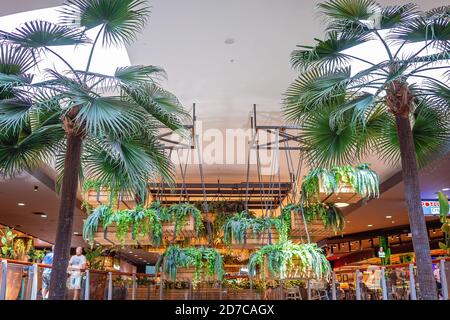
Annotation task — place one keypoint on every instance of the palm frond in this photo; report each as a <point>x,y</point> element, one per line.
<point>328,53</point>
<point>422,29</point>
<point>431,132</point>
<point>159,104</point>
<point>314,88</point>
<point>126,164</point>
<point>15,60</point>
<point>121,19</point>
<point>38,34</point>
<point>327,145</point>
<point>392,16</point>
<point>21,150</point>
<point>437,94</point>
<point>14,112</point>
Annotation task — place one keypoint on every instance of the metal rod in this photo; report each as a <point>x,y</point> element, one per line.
<point>412,282</point>
<point>309,289</point>
<point>358,286</point>
<point>4,279</point>
<point>383,284</point>
<point>87,286</point>
<point>443,279</point>
<point>110,285</point>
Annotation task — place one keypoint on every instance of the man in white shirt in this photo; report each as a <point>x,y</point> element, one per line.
<point>76,264</point>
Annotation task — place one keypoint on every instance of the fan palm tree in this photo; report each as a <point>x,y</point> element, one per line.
<point>88,125</point>
<point>390,106</point>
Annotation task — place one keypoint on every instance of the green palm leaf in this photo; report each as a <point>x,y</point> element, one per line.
<point>15,60</point>
<point>423,29</point>
<point>38,34</point>
<point>121,20</point>
<point>392,16</point>
<point>21,150</point>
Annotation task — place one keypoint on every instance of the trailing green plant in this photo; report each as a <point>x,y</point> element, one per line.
<point>363,179</point>
<point>203,260</point>
<point>445,220</point>
<point>178,214</point>
<point>331,216</point>
<point>143,222</point>
<point>281,258</point>
<point>7,237</point>
<point>236,227</point>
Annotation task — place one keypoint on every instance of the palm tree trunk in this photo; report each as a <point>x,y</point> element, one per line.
<point>65,221</point>
<point>417,223</point>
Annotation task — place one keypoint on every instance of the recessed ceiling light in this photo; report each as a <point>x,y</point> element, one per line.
<point>388,217</point>
<point>446,189</point>
<point>36,188</point>
<point>370,225</point>
<point>21,204</point>
<point>76,233</point>
<point>393,221</point>
<point>130,251</point>
<point>135,255</point>
<point>43,215</point>
<point>229,41</point>
<point>341,204</point>
<point>348,221</point>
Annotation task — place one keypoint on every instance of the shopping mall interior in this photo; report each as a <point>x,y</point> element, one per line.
<point>224,150</point>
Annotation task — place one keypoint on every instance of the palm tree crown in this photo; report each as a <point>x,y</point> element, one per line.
<point>117,115</point>
<point>347,113</point>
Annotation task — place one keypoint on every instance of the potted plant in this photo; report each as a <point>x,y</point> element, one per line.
<point>191,263</point>
<point>97,280</point>
<point>286,259</point>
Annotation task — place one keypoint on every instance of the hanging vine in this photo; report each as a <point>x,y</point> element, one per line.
<point>203,260</point>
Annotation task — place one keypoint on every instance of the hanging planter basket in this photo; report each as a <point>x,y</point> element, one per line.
<point>96,198</point>
<point>344,192</point>
<point>315,228</point>
<point>188,230</point>
<point>254,240</point>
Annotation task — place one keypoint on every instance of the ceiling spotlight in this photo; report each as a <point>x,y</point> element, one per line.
<point>388,217</point>
<point>135,255</point>
<point>393,221</point>
<point>434,231</point>
<point>341,204</point>
<point>370,225</point>
<point>36,188</point>
<point>229,41</point>
<point>44,215</point>
<point>21,204</point>
<point>130,251</point>
<point>348,221</point>
<point>446,189</point>
<point>76,233</point>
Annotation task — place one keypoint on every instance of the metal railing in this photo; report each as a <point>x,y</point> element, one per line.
<point>23,281</point>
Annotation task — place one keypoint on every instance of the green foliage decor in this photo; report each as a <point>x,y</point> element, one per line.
<point>7,237</point>
<point>331,216</point>
<point>363,179</point>
<point>281,258</point>
<point>202,259</point>
<point>142,221</point>
<point>236,227</point>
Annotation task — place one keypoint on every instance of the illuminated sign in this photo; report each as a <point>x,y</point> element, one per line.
<point>431,207</point>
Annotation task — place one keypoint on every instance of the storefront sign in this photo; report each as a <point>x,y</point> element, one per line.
<point>431,207</point>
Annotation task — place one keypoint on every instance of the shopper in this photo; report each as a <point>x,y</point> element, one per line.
<point>46,274</point>
<point>76,264</point>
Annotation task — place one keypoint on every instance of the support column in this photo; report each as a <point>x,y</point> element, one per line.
<point>3,278</point>
<point>34,282</point>
<point>443,279</point>
<point>358,286</point>
<point>412,282</point>
<point>383,284</point>
<point>133,288</point>
<point>87,289</point>
<point>333,286</point>
<point>110,286</point>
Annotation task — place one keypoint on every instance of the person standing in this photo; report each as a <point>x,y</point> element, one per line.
<point>437,277</point>
<point>46,274</point>
<point>76,263</point>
